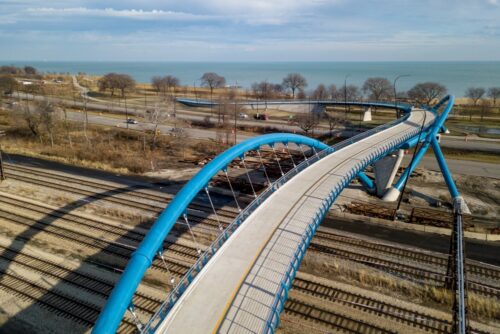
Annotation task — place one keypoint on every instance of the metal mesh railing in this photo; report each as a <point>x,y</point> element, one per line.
<point>245,213</point>
<point>281,295</point>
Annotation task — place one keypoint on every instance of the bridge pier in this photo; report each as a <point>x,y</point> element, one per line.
<point>385,171</point>
<point>367,116</point>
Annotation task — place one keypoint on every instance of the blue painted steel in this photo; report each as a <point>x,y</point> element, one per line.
<point>366,181</point>
<point>206,103</point>
<point>142,258</point>
<point>430,136</point>
<point>444,168</point>
<point>217,244</point>
<point>272,321</point>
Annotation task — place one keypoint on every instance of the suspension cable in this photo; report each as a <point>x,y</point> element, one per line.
<point>248,175</point>
<point>137,322</point>
<point>264,167</point>
<point>303,153</point>
<point>198,249</point>
<point>172,277</point>
<point>315,152</point>
<point>290,154</point>
<point>277,160</point>
<point>232,190</point>
<point>213,208</point>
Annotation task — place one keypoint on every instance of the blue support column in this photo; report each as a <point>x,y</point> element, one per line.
<point>366,181</point>
<point>420,154</point>
<point>444,168</point>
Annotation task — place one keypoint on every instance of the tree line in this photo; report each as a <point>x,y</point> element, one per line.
<point>293,85</point>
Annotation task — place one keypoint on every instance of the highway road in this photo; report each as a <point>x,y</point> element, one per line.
<point>474,168</point>
<point>473,144</point>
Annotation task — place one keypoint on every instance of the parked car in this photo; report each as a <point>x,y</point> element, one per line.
<point>131,121</point>
<point>261,117</point>
<point>242,115</point>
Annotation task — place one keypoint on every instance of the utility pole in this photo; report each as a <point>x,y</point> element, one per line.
<point>235,120</point>
<point>345,94</point>
<point>395,92</point>
<point>2,173</point>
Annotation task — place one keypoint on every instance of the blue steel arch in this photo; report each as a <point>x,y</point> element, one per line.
<point>142,258</point>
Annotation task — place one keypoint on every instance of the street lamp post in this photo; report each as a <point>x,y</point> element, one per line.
<point>345,94</point>
<point>395,92</point>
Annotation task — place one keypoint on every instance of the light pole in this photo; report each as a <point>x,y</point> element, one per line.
<point>395,93</point>
<point>345,94</point>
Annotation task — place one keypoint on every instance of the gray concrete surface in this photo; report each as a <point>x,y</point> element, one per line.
<point>239,283</point>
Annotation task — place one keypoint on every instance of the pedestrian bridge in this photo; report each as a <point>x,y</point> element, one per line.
<point>241,283</point>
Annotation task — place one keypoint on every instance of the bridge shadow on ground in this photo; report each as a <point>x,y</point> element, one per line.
<point>103,258</point>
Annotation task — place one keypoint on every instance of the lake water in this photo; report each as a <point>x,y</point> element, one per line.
<point>456,76</point>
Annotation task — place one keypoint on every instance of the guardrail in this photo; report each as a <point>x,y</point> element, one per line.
<point>272,320</point>
<point>184,283</point>
<point>207,103</point>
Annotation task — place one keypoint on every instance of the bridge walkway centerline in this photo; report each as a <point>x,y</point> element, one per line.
<point>235,290</point>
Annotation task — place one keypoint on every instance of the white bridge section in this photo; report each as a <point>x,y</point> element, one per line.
<point>235,290</point>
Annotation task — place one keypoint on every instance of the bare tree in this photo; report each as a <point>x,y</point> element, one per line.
<point>125,83</point>
<point>320,93</point>
<point>494,94</point>
<point>294,81</point>
<point>263,90</point>
<point>156,116</point>
<point>378,88</point>
<point>333,92</point>
<point>485,104</point>
<point>66,124</point>
<point>475,94</point>
<point>426,92</point>
<point>49,117</point>
<point>32,119</point>
<point>212,80</point>
<point>116,81</point>
<point>7,84</point>
<point>172,82</point>
<point>333,121</point>
<point>350,93</point>
<point>158,84</point>
<point>30,70</point>
<point>307,121</point>
<point>301,95</point>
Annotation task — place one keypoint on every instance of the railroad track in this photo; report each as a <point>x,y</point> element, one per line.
<point>113,231</point>
<point>77,278</point>
<point>424,257</point>
<point>379,308</point>
<point>115,249</point>
<point>326,317</point>
<point>414,273</point>
<point>57,302</point>
<point>197,212</point>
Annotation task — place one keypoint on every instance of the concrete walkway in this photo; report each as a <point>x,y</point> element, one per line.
<point>235,291</point>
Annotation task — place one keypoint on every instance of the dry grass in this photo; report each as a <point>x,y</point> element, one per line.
<point>480,307</point>
<point>117,150</point>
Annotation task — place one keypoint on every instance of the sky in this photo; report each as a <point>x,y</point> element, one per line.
<point>250,30</point>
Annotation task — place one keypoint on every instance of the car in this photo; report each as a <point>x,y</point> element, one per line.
<point>131,121</point>
<point>261,117</point>
<point>242,115</point>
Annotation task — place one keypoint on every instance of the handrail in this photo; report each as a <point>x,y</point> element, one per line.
<point>281,295</point>
<point>142,258</point>
<point>202,102</point>
<point>224,236</point>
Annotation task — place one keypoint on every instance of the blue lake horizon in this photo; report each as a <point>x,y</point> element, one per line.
<point>457,76</point>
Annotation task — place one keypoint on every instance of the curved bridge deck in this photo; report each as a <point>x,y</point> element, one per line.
<point>235,292</point>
